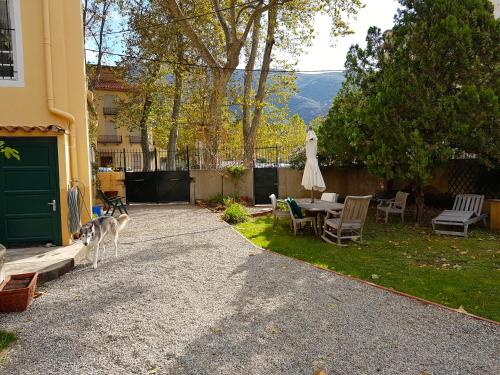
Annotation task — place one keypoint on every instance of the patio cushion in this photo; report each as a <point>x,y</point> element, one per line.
<point>297,212</point>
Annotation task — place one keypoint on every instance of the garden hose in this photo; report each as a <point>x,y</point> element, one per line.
<point>74,210</point>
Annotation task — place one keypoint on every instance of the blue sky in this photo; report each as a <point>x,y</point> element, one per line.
<point>324,53</point>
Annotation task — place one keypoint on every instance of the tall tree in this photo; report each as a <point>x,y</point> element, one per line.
<point>420,93</point>
<point>296,20</point>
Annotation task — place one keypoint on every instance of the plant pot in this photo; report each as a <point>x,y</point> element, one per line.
<point>17,291</point>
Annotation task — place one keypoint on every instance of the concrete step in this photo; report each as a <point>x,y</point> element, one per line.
<point>50,263</point>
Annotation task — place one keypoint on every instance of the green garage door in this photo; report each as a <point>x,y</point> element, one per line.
<point>29,193</point>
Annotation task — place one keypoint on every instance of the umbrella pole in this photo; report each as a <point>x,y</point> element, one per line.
<point>312,195</point>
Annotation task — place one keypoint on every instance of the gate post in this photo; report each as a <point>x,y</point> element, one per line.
<point>187,157</point>
<point>156,159</point>
<point>277,156</point>
<point>124,161</point>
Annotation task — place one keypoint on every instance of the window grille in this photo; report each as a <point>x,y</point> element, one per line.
<point>7,70</point>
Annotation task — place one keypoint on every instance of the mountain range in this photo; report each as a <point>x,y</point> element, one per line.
<point>315,94</point>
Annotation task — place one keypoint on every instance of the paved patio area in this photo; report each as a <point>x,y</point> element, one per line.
<point>188,295</point>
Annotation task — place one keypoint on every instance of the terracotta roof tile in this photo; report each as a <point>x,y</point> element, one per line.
<point>29,129</point>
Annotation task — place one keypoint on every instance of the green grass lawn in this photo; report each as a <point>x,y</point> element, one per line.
<point>452,271</point>
<point>6,338</point>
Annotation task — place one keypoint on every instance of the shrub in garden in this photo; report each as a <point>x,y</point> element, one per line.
<point>235,214</point>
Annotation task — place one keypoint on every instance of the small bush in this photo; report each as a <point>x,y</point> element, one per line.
<point>217,199</point>
<point>235,214</point>
<point>236,171</point>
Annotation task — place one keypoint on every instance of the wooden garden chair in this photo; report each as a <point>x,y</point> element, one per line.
<point>112,203</point>
<point>396,205</point>
<point>466,211</point>
<point>298,218</point>
<point>276,212</point>
<point>349,224</point>
<point>329,197</point>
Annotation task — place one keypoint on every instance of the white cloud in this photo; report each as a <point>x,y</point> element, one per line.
<point>321,55</point>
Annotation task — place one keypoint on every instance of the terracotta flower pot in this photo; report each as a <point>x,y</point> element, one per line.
<point>17,291</point>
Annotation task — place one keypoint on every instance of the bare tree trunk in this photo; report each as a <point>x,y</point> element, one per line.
<point>249,143</point>
<point>250,133</point>
<point>84,16</point>
<point>143,126</point>
<point>266,63</point>
<point>105,7</point>
<point>213,127</point>
<point>419,203</point>
<point>174,131</point>
<point>176,108</point>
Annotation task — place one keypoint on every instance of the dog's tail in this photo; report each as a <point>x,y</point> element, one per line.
<point>122,221</point>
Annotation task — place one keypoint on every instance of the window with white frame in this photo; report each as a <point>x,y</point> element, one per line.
<point>11,67</point>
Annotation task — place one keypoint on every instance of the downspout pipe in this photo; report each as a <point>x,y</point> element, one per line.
<point>50,92</point>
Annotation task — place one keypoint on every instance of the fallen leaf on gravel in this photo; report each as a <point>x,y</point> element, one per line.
<point>274,330</point>
<point>153,370</point>
<point>375,276</point>
<point>216,331</point>
<point>320,372</point>
<point>333,306</point>
<point>39,294</point>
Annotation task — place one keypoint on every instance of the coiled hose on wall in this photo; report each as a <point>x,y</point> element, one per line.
<point>74,209</point>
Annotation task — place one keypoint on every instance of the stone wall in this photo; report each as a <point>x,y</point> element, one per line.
<point>340,181</point>
<point>207,183</point>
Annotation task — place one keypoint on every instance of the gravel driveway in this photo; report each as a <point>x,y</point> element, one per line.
<point>188,295</point>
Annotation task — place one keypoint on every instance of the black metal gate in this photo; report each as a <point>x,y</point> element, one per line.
<point>158,186</point>
<point>265,183</point>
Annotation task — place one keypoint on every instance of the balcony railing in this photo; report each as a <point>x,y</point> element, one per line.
<point>109,139</point>
<point>110,110</point>
<point>135,138</point>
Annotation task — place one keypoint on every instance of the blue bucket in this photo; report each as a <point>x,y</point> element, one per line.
<point>97,210</point>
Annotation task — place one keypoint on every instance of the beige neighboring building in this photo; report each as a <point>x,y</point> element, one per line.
<point>43,115</point>
<point>117,147</point>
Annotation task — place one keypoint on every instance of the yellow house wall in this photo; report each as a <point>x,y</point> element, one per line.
<point>28,105</point>
<point>101,118</point>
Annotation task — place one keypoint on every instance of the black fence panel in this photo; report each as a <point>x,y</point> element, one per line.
<point>138,161</point>
<point>265,182</point>
<point>141,187</point>
<point>470,176</point>
<point>159,159</point>
<point>157,187</point>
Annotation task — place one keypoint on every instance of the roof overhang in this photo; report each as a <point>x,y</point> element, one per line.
<point>54,129</point>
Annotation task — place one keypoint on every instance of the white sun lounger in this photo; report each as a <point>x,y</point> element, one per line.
<point>466,210</point>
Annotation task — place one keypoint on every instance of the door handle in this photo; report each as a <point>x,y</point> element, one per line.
<point>53,204</point>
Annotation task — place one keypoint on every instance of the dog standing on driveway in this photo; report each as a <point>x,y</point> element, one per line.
<point>94,232</point>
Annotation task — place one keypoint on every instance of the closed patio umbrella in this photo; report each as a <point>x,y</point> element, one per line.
<point>312,178</point>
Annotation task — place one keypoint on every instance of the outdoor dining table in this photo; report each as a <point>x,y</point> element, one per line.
<point>318,207</point>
